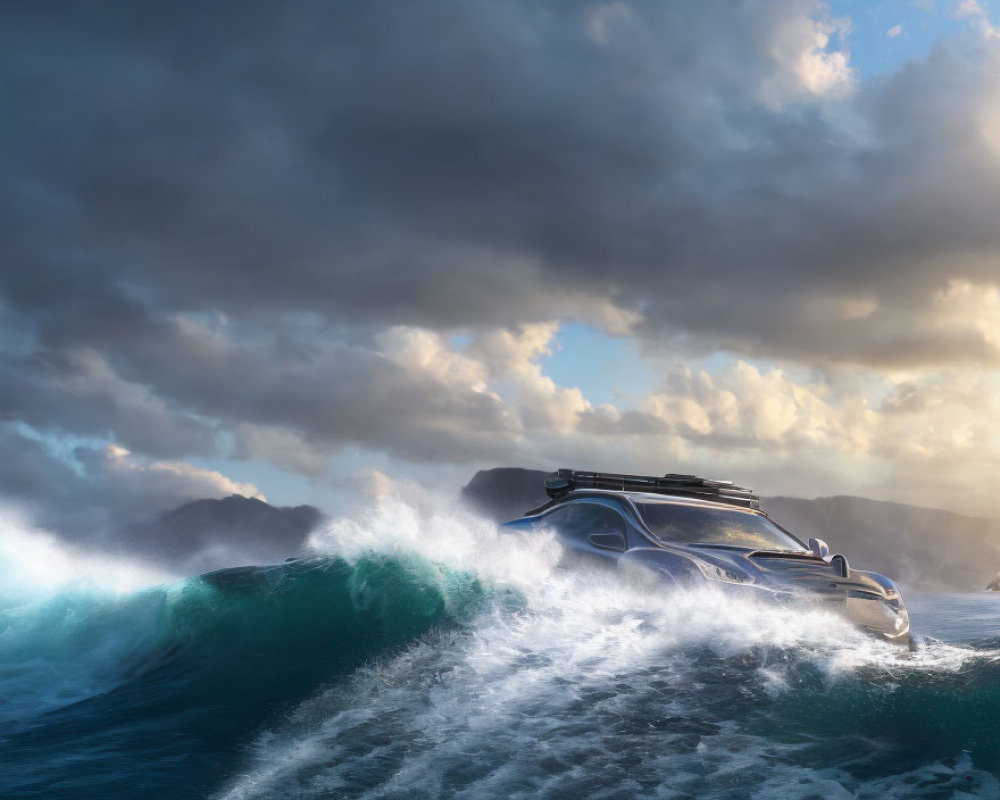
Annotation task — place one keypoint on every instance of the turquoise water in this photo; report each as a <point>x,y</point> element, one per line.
<point>152,694</point>
<point>416,674</point>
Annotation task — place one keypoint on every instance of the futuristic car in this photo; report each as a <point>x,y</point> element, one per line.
<point>687,529</point>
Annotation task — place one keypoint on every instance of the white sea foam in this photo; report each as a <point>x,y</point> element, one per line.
<point>35,564</point>
<point>68,618</point>
<point>409,519</point>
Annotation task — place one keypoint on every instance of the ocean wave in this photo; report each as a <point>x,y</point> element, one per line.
<point>152,689</point>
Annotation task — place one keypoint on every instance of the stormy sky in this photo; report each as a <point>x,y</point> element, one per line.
<point>266,248</point>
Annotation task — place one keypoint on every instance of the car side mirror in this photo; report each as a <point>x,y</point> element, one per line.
<point>820,549</point>
<point>840,566</point>
<point>610,540</point>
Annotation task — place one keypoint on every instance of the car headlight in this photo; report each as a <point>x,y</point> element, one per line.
<point>871,610</point>
<point>714,573</point>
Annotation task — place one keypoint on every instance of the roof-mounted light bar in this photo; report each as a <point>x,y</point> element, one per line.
<point>564,481</point>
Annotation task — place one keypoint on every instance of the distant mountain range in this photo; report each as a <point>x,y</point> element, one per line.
<point>921,548</point>
<point>209,534</point>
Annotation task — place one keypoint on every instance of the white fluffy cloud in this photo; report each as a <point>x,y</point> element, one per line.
<point>745,407</point>
<point>512,357</point>
<point>152,483</point>
<point>807,64</point>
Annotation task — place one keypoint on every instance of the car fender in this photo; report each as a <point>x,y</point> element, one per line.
<point>886,583</point>
<point>645,564</point>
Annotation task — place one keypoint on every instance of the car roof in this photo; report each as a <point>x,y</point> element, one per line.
<point>643,497</point>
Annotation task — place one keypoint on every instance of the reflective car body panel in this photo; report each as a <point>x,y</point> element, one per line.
<point>684,541</point>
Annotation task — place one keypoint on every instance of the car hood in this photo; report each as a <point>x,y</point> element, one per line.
<point>794,572</point>
<point>866,599</point>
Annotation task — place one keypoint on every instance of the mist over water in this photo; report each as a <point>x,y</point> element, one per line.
<point>422,653</point>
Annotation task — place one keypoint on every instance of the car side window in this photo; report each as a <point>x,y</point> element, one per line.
<point>562,519</point>
<point>590,524</point>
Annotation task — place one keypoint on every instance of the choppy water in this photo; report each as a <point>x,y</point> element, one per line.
<point>426,655</point>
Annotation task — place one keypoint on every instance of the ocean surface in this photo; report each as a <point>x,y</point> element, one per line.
<point>423,654</point>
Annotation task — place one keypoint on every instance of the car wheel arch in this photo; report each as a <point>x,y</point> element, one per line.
<point>665,565</point>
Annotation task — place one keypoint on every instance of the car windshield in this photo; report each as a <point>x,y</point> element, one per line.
<point>694,525</point>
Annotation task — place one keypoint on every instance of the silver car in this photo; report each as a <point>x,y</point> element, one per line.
<point>688,529</point>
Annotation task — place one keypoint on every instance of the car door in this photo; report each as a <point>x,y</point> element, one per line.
<point>590,531</point>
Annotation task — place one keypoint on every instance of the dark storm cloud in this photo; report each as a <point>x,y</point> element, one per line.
<point>327,394</point>
<point>326,391</point>
<point>447,163</point>
<point>78,392</point>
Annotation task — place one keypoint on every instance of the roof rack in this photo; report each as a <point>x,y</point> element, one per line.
<point>564,481</point>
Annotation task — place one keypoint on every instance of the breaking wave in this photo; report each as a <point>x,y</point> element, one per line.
<point>422,653</point>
